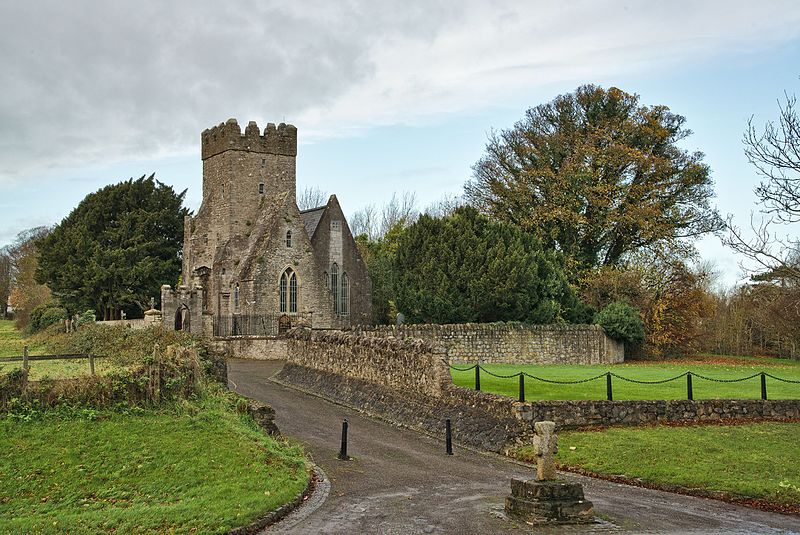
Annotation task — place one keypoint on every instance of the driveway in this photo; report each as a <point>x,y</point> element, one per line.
<point>402,482</point>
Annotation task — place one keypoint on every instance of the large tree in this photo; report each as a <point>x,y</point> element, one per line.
<point>467,268</point>
<point>116,248</point>
<point>26,293</point>
<point>596,175</point>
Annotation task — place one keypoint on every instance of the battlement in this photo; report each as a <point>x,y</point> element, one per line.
<point>281,139</point>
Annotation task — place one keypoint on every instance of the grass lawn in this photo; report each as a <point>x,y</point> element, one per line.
<point>196,467</point>
<point>754,460</point>
<point>11,343</point>
<point>710,366</point>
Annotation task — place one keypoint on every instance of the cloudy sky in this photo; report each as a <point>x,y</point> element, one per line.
<point>387,96</point>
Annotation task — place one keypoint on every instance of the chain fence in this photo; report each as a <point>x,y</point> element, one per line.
<point>688,375</point>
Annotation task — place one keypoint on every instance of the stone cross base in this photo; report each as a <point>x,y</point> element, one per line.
<point>548,502</point>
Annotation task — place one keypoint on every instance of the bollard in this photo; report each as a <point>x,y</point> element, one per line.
<point>343,450</point>
<point>763,386</point>
<point>609,392</point>
<point>448,437</point>
<point>689,393</point>
<point>522,387</point>
<point>477,377</point>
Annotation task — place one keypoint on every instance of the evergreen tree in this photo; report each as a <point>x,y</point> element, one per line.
<point>115,249</point>
<point>466,268</point>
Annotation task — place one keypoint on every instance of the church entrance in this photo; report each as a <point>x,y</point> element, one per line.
<point>182,318</point>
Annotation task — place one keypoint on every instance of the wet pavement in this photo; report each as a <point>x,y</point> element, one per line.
<point>400,481</point>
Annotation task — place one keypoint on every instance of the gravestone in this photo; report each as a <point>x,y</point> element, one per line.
<point>545,499</point>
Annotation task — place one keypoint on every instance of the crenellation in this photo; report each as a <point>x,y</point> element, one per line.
<point>280,140</point>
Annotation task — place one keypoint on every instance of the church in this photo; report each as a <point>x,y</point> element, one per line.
<point>253,263</point>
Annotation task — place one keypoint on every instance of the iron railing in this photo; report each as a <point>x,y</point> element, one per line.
<point>256,324</point>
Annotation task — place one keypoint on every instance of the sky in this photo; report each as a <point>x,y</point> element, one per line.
<point>387,96</point>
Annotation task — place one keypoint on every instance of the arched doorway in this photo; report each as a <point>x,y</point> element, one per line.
<point>182,318</point>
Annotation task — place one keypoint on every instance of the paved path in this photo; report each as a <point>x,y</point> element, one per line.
<point>401,481</point>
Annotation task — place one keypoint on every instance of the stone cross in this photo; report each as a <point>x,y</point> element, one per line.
<point>545,446</point>
<point>152,303</point>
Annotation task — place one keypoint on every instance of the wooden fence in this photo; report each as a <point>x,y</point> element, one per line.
<point>26,359</point>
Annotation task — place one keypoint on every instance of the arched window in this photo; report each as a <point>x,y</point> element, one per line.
<point>288,238</point>
<point>344,304</point>
<point>288,291</point>
<point>236,298</point>
<point>293,292</point>
<point>335,286</point>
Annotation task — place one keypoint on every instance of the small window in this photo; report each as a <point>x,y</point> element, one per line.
<point>261,188</point>
<point>236,298</point>
<point>336,225</point>
<point>288,238</point>
<point>263,162</point>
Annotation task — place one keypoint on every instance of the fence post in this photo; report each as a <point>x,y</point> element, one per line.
<point>91,364</point>
<point>689,393</point>
<point>448,437</point>
<point>477,377</point>
<point>609,392</point>
<point>343,450</point>
<point>25,361</point>
<point>521,386</point>
<point>763,386</point>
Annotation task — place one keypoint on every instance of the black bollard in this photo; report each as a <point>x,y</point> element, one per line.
<point>522,387</point>
<point>477,377</point>
<point>448,437</point>
<point>689,392</point>
<point>609,392</point>
<point>343,451</point>
<point>763,385</point>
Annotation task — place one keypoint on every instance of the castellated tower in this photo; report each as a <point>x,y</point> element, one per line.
<point>249,252</point>
<point>243,173</point>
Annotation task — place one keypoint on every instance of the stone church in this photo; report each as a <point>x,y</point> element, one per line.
<point>253,263</point>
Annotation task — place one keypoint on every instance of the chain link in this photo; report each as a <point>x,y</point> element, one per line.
<point>725,380</point>
<point>640,382</point>
<point>781,379</point>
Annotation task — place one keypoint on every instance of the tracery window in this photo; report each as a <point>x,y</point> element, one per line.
<point>288,291</point>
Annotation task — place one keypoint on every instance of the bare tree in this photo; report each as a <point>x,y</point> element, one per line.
<point>365,221</point>
<point>445,206</point>
<point>775,153</point>
<point>400,209</point>
<point>311,198</point>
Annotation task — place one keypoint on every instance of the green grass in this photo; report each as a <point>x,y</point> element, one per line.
<point>12,341</point>
<point>198,467</point>
<point>754,460</point>
<point>715,367</point>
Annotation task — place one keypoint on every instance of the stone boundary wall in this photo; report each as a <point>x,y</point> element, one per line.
<point>404,365</point>
<point>406,382</point>
<point>511,343</point>
<point>256,348</point>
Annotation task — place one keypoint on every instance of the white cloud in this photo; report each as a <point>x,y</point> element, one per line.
<point>95,82</point>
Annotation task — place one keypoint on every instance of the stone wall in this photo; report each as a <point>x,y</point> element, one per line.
<point>405,381</point>
<point>512,343</point>
<point>404,365</point>
<point>256,348</point>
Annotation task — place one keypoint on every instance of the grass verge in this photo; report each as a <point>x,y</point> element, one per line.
<point>194,466</point>
<point>755,464</point>
<point>714,367</point>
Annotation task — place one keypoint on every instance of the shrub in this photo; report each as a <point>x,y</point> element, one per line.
<point>45,315</point>
<point>621,322</point>
<point>87,318</point>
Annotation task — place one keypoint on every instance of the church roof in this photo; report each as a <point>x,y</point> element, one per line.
<point>311,219</point>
